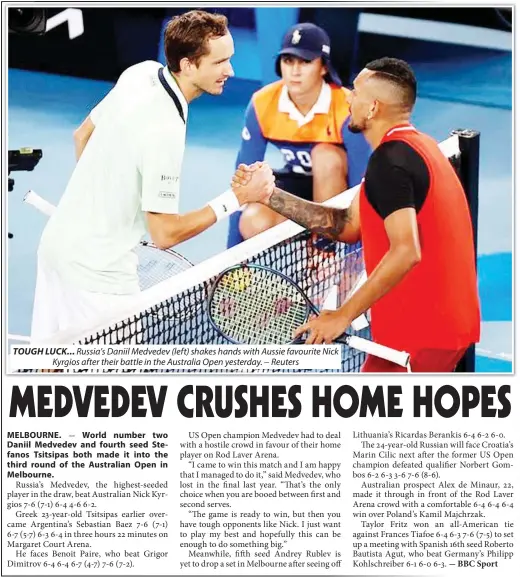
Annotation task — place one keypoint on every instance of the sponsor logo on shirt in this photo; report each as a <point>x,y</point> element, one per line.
<point>246,134</point>
<point>169,178</point>
<point>167,194</point>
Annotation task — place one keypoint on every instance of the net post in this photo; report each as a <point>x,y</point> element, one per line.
<point>469,144</point>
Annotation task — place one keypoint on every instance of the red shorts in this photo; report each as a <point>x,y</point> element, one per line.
<point>422,361</point>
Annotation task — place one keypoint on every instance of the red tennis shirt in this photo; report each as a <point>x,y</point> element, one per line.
<point>436,304</point>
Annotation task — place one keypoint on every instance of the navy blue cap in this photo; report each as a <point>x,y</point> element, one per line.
<point>308,42</point>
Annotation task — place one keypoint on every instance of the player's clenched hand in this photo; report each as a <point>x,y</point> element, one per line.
<point>326,327</point>
<point>243,174</point>
<point>253,183</point>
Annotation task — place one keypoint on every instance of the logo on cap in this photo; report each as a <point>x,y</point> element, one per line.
<point>296,37</point>
<point>325,49</point>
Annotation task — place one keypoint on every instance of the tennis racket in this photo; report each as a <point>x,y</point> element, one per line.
<point>155,265</point>
<point>253,304</point>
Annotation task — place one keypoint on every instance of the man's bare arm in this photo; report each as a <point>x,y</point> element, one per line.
<point>82,135</point>
<point>335,223</point>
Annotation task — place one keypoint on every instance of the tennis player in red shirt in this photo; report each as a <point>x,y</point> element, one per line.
<point>412,216</point>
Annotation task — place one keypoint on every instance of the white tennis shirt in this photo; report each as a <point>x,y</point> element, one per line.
<point>130,165</point>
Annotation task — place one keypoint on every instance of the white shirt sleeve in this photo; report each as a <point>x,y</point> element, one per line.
<point>161,164</point>
<point>103,107</point>
<point>132,80</point>
<point>125,83</point>
<point>98,111</point>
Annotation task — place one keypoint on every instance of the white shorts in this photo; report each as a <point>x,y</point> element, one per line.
<point>60,306</point>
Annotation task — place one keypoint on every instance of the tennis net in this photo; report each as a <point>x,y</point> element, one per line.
<point>174,311</point>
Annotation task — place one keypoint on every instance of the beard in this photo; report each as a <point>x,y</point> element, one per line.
<point>356,128</point>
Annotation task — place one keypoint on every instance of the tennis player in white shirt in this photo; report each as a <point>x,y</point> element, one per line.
<point>127,179</point>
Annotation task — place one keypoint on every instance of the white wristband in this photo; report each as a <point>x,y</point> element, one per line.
<point>224,205</point>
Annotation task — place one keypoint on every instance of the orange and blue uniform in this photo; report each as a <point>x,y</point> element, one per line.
<point>271,118</point>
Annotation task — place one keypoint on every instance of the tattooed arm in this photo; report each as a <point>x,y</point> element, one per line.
<point>335,223</point>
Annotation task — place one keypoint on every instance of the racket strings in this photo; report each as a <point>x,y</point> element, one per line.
<point>258,307</point>
<point>241,312</point>
<point>157,265</point>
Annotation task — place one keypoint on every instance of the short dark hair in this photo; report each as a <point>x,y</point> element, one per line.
<point>187,35</point>
<point>398,72</point>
